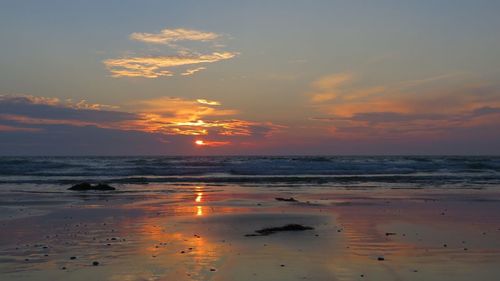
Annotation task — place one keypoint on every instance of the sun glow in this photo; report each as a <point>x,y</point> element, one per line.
<point>210,143</point>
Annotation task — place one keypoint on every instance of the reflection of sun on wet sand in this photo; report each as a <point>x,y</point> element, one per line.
<point>200,233</point>
<point>198,199</point>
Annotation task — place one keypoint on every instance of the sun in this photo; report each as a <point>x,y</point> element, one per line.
<point>199,142</point>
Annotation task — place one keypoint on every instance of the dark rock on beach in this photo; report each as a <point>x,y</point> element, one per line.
<point>85,186</point>
<point>291,199</point>
<point>272,230</point>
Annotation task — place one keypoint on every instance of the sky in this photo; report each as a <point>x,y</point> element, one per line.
<point>249,77</point>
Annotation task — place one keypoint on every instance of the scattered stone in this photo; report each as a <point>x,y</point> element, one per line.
<point>212,269</point>
<point>72,258</point>
<point>381,258</point>
<point>272,230</point>
<point>85,186</point>
<point>390,233</point>
<point>291,199</point>
<point>63,268</point>
<point>95,263</point>
<point>445,245</point>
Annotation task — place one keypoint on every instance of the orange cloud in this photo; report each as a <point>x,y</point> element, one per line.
<point>405,108</point>
<point>154,67</point>
<point>326,88</point>
<point>176,116</point>
<point>181,109</point>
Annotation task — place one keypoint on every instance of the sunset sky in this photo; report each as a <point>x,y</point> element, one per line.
<point>249,77</point>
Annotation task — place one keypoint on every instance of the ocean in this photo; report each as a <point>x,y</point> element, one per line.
<point>333,171</point>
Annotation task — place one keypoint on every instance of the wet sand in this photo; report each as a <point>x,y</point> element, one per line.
<point>190,232</point>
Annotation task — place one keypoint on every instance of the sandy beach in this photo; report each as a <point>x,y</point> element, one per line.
<point>201,232</point>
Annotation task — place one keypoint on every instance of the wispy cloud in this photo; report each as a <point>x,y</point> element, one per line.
<point>192,71</point>
<point>6,128</point>
<point>167,36</point>
<point>406,108</point>
<point>56,102</point>
<point>155,66</point>
<point>208,102</point>
<point>326,88</point>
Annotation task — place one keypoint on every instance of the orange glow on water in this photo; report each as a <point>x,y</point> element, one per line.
<point>199,210</point>
<point>199,142</point>
<point>198,197</point>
